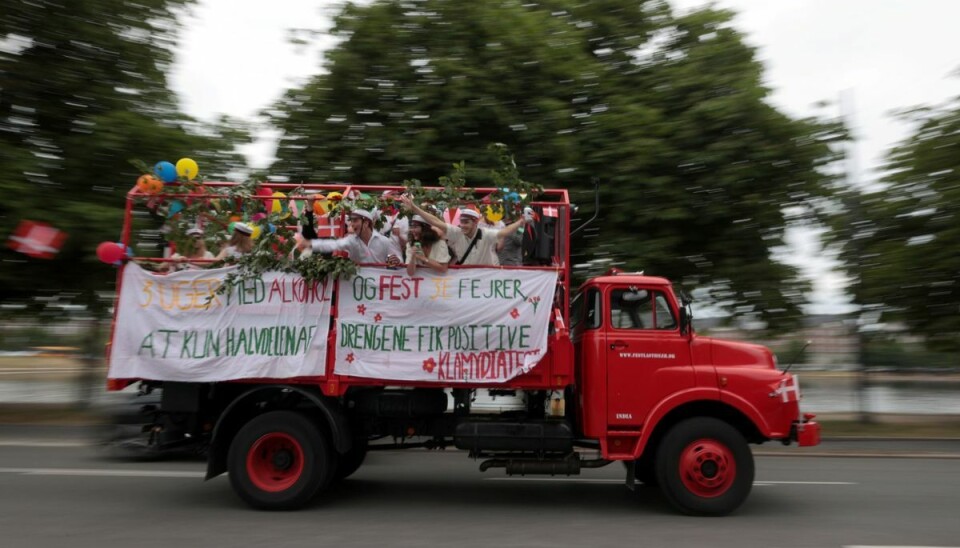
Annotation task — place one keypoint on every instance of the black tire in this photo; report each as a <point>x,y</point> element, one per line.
<point>351,460</point>
<point>704,467</point>
<point>279,461</point>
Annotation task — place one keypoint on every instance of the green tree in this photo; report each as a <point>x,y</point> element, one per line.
<point>899,243</point>
<point>83,90</point>
<point>698,171</point>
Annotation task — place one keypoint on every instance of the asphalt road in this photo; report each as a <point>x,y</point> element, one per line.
<point>56,490</point>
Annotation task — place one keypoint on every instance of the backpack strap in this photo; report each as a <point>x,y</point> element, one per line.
<point>470,247</point>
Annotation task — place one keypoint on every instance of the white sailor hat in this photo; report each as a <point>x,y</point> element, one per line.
<point>469,212</point>
<point>362,213</point>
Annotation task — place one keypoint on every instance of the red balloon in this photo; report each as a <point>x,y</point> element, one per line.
<point>109,252</point>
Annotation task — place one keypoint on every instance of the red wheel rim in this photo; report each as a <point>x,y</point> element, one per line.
<point>707,468</point>
<point>275,462</point>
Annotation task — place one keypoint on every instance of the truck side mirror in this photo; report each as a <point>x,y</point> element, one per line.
<point>686,314</point>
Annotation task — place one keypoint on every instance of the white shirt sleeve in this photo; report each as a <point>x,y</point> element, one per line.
<point>329,246</point>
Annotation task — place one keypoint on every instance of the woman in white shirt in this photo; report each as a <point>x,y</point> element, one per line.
<point>240,242</point>
<point>425,248</point>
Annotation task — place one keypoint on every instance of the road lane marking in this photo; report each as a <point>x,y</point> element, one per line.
<point>586,480</point>
<point>759,482</point>
<point>41,443</point>
<point>101,472</point>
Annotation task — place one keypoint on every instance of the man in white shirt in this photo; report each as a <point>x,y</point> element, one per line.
<point>364,246</point>
<point>396,226</point>
<point>471,243</point>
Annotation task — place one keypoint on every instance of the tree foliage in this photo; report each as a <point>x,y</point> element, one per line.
<point>669,113</point>
<point>83,90</point>
<point>899,244</point>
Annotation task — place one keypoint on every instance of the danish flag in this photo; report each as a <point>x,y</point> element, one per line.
<point>550,211</point>
<point>786,388</point>
<point>37,240</point>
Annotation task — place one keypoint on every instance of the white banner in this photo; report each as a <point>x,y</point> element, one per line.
<point>483,325</point>
<point>168,328</point>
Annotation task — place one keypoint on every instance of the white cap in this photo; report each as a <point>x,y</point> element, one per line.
<point>194,232</point>
<point>362,213</point>
<point>243,228</point>
<point>418,219</point>
<point>469,212</point>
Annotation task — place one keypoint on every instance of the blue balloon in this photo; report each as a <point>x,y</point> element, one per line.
<point>176,206</point>
<point>271,228</point>
<point>128,254</point>
<point>166,171</point>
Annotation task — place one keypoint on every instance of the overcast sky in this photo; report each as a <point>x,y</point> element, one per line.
<point>234,58</point>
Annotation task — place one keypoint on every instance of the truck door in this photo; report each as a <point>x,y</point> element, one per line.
<point>647,357</point>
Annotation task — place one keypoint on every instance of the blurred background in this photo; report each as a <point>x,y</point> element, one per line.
<point>790,164</point>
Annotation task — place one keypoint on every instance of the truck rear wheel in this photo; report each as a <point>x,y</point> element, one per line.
<point>279,460</point>
<point>705,467</point>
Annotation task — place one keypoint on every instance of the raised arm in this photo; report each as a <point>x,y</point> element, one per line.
<point>510,228</point>
<point>427,216</point>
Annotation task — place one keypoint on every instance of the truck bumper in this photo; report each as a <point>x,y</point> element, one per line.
<point>806,432</point>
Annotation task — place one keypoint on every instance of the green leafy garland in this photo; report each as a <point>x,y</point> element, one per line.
<point>273,250</point>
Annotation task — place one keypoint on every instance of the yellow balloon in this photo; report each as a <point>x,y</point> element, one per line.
<point>280,205</point>
<point>276,206</point>
<point>186,167</point>
<point>493,213</point>
<point>256,232</point>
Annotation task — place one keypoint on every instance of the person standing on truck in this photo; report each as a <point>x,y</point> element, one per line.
<point>196,249</point>
<point>240,242</point>
<point>364,245</point>
<point>472,244</point>
<point>425,248</point>
<point>396,226</point>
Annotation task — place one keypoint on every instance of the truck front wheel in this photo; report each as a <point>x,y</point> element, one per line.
<point>279,460</point>
<point>704,467</point>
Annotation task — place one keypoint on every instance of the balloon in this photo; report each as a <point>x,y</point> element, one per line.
<point>166,171</point>
<point>235,218</point>
<point>364,196</point>
<point>186,167</point>
<point>148,184</point>
<point>231,225</point>
<point>256,232</point>
<point>176,206</point>
<point>271,228</point>
<point>279,205</point>
<point>129,253</point>
<point>258,217</point>
<point>110,252</point>
<point>334,196</point>
<point>321,205</point>
<point>493,213</point>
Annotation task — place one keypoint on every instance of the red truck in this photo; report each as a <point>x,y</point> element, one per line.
<point>610,371</point>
